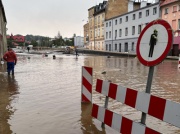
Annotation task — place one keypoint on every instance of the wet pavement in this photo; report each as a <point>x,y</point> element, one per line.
<point>44,96</point>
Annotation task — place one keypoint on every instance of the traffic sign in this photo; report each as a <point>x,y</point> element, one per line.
<point>154,42</point>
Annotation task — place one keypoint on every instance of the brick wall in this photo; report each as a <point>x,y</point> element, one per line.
<point>116,7</point>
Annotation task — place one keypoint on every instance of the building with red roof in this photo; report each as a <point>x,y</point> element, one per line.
<point>170,11</point>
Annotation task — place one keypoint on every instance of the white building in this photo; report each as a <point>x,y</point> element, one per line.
<point>79,41</point>
<point>122,32</point>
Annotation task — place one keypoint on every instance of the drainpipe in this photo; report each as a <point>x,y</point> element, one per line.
<point>112,34</point>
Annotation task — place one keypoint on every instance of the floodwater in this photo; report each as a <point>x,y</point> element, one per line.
<point>44,96</point>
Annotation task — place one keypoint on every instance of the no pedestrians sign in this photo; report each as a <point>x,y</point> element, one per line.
<point>154,42</point>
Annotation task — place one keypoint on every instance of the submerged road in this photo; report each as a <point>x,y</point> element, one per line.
<point>44,96</point>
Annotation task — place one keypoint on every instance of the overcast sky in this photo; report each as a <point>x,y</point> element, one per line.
<point>47,17</point>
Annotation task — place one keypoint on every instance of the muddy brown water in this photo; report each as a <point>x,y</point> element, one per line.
<point>44,96</point>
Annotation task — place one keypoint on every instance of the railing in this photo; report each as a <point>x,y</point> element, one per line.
<point>159,108</point>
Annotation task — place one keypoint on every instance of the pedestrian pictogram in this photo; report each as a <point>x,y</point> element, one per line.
<point>154,42</point>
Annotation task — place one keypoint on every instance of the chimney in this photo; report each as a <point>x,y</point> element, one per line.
<point>143,4</point>
<point>130,5</point>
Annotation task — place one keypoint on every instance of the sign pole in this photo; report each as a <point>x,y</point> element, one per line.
<point>148,90</point>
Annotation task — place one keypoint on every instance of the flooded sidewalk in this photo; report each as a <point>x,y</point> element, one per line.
<point>44,96</point>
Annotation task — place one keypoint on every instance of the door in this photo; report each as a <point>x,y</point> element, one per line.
<point>175,50</point>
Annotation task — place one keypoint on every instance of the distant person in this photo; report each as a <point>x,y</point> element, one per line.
<point>76,53</point>
<point>11,59</point>
<point>28,48</point>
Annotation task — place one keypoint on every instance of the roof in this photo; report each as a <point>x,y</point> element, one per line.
<point>166,2</point>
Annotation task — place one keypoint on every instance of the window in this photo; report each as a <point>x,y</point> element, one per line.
<point>126,18</point>
<point>95,20</point>
<point>95,33</point>
<point>115,22</point>
<point>174,24</point>
<point>98,32</point>
<point>120,20</point>
<point>115,47</point>
<point>110,23</point>
<point>102,32</point>
<point>133,30</point>
<point>166,11</point>
<point>119,47</point>
<point>120,32</point>
<point>174,8</point>
<point>106,47</point>
<point>106,24</point>
<point>178,23</point>
<point>147,12</point>
<point>139,29</point>
<point>115,34</point>
<point>106,35</point>
<point>132,47</point>
<point>103,18</point>
<point>126,31</point>
<point>109,47</point>
<point>140,14</point>
<point>109,34</point>
<point>91,34</point>
<point>134,16</point>
<point>99,19</point>
<point>154,10</point>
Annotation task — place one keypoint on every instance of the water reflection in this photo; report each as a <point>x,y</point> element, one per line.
<point>87,124</point>
<point>8,93</point>
<point>49,98</point>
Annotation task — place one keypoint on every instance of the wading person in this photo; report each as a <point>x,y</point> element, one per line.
<point>11,59</point>
<point>76,53</point>
<point>152,42</point>
<point>28,48</point>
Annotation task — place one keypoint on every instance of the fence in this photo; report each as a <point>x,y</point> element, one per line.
<point>159,108</point>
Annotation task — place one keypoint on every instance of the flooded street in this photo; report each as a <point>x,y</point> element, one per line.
<point>44,96</point>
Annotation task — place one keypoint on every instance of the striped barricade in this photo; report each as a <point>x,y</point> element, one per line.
<point>160,108</point>
<point>120,123</point>
<point>87,81</point>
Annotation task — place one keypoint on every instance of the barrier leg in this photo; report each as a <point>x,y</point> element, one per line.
<point>105,106</point>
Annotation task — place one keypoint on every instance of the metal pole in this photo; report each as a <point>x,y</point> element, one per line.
<point>94,31</point>
<point>105,106</point>
<point>148,90</point>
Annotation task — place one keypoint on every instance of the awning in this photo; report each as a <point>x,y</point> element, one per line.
<point>176,40</point>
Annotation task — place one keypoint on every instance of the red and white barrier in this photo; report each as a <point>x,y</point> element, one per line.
<point>120,123</point>
<point>160,108</point>
<point>87,81</point>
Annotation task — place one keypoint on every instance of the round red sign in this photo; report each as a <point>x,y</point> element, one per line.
<point>154,42</point>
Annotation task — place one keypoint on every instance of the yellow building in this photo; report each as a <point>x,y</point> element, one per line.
<point>86,35</point>
<point>3,22</point>
<point>95,37</point>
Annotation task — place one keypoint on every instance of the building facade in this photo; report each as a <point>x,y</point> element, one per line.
<point>94,39</point>
<point>3,22</point>
<point>78,41</point>
<point>99,18</point>
<point>86,35</point>
<point>170,11</point>
<point>122,32</point>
